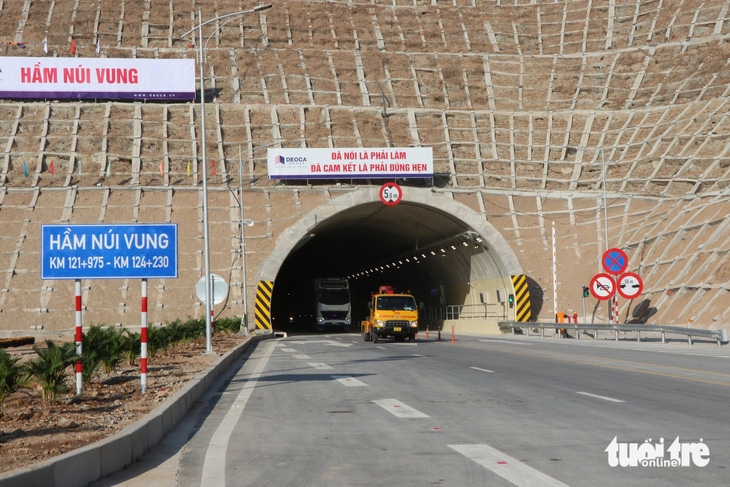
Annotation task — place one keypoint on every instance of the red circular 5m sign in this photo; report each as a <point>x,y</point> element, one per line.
<point>390,194</point>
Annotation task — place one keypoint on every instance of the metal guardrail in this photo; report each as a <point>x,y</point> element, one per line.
<point>719,335</point>
<point>486,311</point>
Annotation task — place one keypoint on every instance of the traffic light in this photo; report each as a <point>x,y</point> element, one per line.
<point>586,291</point>
<point>511,300</point>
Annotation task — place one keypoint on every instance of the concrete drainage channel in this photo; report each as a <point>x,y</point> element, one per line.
<point>103,458</point>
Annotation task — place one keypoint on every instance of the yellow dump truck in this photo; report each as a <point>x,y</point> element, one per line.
<point>391,314</point>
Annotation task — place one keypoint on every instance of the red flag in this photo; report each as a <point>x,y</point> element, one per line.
<point>161,170</point>
<point>213,168</point>
<point>51,167</point>
<point>73,46</point>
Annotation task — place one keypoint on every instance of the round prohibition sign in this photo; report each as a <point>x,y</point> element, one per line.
<point>603,287</point>
<point>390,194</point>
<point>615,261</point>
<point>630,285</point>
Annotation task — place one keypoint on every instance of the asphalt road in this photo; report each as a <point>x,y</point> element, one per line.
<point>336,411</point>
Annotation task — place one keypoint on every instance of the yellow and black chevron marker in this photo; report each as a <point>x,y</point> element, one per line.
<point>522,298</point>
<point>263,305</point>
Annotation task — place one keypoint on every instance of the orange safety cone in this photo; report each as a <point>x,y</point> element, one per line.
<point>426,332</point>
<point>452,334</point>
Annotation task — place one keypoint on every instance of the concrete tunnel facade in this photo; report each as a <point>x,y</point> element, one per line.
<point>458,265</point>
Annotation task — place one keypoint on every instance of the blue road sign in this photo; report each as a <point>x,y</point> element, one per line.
<point>125,251</point>
<point>615,261</point>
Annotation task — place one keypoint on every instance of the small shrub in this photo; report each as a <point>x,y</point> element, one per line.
<point>131,346</point>
<point>49,368</point>
<point>156,340</point>
<point>11,376</point>
<point>231,325</point>
<point>92,345</point>
<point>111,355</point>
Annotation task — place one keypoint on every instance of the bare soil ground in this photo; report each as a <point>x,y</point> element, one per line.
<point>31,431</point>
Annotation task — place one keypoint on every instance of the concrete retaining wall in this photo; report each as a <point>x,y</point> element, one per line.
<point>101,459</point>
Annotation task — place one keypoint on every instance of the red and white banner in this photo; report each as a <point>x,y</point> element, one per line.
<point>97,78</point>
<point>324,163</point>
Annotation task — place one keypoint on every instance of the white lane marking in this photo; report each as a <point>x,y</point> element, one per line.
<point>418,355</point>
<point>506,467</point>
<point>605,398</point>
<point>381,348</point>
<point>288,350</point>
<point>399,409</point>
<point>326,342</point>
<point>303,357</point>
<point>508,342</point>
<point>348,381</point>
<point>320,366</point>
<point>214,466</point>
<point>482,370</point>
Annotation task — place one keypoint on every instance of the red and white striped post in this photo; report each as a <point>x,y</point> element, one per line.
<point>79,336</point>
<point>143,339</point>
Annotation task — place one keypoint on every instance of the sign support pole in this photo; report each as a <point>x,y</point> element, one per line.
<point>79,335</point>
<point>206,236</point>
<point>143,339</point>
<point>555,277</point>
<point>244,316</point>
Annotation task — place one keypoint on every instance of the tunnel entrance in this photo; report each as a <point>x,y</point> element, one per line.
<point>434,247</point>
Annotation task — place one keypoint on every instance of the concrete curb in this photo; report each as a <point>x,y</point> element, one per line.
<point>105,457</point>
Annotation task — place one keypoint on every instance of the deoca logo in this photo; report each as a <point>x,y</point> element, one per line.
<point>648,454</point>
<point>284,160</point>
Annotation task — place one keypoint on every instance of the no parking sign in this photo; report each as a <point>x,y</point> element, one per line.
<point>615,261</point>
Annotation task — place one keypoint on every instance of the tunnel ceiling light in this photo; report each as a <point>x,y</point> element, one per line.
<point>466,239</point>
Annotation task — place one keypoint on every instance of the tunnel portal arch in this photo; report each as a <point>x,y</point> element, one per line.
<point>450,253</point>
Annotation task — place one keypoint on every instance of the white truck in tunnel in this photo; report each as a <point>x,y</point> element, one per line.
<point>332,304</point>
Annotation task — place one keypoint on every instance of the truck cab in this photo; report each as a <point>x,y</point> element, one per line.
<point>391,315</point>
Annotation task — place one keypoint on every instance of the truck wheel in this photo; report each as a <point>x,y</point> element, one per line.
<point>375,337</point>
<point>412,338</point>
<point>365,336</point>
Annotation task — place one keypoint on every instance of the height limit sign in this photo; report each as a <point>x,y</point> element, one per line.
<point>390,194</point>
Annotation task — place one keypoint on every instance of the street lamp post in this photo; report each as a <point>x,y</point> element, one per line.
<point>244,222</point>
<point>206,235</point>
<point>605,204</point>
<point>605,208</point>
